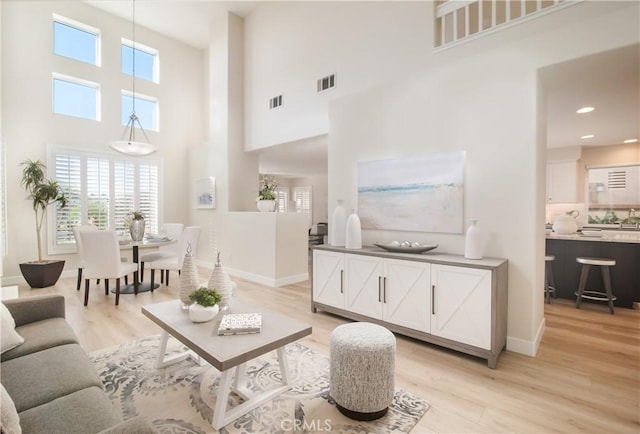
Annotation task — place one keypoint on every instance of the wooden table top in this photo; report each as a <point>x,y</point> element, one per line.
<point>225,352</point>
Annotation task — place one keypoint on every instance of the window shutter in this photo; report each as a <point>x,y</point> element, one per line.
<point>148,196</point>
<point>98,196</point>
<point>123,193</point>
<point>68,175</point>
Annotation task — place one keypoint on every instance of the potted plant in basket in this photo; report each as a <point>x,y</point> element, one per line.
<point>42,192</point>
<point>267,194</point>
<point>205,304</point>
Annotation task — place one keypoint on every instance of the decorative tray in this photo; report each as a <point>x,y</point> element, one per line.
<point>156,237</point>
<point>405,249</point>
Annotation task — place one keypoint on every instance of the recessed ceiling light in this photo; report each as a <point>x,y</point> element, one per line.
<point>587,109</point>
<point>588,136</point>
<point>630,141</point>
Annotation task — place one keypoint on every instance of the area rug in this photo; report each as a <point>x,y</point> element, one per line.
<point>180,398</point>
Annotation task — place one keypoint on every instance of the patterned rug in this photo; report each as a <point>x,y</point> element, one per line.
<point>180,398</point>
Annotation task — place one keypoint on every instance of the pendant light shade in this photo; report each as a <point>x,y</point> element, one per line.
<point>128,144</point>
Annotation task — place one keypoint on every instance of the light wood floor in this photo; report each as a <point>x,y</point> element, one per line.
<point>585,378</point>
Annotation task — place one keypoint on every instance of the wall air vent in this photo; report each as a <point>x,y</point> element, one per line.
<point>276,101</point>
<point>326,83</point>
<point>617,180</point>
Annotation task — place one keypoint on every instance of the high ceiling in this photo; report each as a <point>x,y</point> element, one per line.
<point>608,81</point>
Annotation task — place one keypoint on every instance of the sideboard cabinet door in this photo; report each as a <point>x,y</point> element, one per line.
<point>328,278</point>
<point>406,300</point>
<point>364,285</point>
<point>461,304</point>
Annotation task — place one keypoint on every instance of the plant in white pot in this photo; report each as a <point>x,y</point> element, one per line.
<point>205,304</point>
<point>267,194</point>
<point>42,192</point>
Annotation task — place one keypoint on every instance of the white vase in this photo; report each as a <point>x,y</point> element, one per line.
<point>266,205</point>
<point>198,313</point>
<point>188,279</point>
<point>220,281</point>
<point>338,226</point>
<point>353,238</point>
<point>473,241</point>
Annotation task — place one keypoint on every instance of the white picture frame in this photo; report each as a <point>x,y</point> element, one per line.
<point>205,193</point>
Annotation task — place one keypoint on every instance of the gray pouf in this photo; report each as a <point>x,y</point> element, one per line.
<point>362,370</point>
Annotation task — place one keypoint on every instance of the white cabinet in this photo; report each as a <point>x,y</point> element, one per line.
<point>328,278</point>
<point>388,289</point>
<point>443,299</point>
<point>461,309</point>
<point>562,181</point>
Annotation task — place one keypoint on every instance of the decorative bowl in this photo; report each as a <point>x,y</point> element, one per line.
<point>405,249</point>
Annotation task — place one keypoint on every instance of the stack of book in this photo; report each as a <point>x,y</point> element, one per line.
<point>240,323</point>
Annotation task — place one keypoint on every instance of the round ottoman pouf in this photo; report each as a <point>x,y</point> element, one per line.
<point>362,368</point>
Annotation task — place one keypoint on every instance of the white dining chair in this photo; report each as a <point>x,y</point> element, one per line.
<point>174,232</point>
<point>189,240</point>
<point>101,252</point>
<point>79,251</point>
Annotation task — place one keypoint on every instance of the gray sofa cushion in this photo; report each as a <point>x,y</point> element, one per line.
<point>36,308</point>
<point>85,411</point>
<point>40,377</point>
<point>41,335</point>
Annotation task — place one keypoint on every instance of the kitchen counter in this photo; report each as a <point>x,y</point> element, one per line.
<point>600,236</point>
<point>622,246</point>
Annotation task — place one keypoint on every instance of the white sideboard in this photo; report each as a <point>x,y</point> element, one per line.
<point>438,298</point>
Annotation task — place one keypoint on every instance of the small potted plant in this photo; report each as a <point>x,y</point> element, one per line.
<point>42,192</point>
<point>205,304</point>
<point>266,199</point>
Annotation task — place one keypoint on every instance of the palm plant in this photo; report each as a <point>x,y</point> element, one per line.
<point>42,192</point>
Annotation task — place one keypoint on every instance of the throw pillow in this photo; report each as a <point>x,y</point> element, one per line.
<point>9,418</point>
<point>9,337</point>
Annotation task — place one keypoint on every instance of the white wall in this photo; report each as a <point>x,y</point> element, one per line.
<point>290,45</point>
<point>29,124</point>
<point>482,97</point>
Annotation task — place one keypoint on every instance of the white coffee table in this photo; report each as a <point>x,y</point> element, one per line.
<point>228,354</point>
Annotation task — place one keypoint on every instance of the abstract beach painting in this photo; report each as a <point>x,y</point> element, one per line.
<point>419,193</point>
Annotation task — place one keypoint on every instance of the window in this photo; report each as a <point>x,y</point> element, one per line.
<point>282,199</point>
<point>146,110</point>
<point>146,61</point>
<point>302,197</point>
<point>75,97</point>
<point>102,189</point>
<point>76,40</point>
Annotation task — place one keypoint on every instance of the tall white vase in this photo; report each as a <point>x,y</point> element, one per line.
<point>353,238</point>
<point>338,226</point>
<point>220,281</point>
<point>473,241</point>
<point>188,279</point>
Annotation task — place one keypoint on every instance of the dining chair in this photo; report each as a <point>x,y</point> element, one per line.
<point>174,232</point>
<point>76,235</point>
<point>189,241</point>
<point>101,252</point>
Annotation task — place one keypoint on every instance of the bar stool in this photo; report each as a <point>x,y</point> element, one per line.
<point>549,281</point>
<point>607,296</point>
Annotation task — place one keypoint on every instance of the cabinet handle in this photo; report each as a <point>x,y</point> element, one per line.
<point>341,280</point>
<point>433,298</point>
<point>384,286</point>
<point>379,289</point>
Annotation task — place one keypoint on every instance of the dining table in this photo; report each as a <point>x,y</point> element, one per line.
<point>136,286</point>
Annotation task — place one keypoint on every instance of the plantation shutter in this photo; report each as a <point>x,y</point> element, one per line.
<point>98,194</point>
<point>149,196</point>
<point>68,175</point>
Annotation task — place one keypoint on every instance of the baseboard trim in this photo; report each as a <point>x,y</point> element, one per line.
<point>527,348</point>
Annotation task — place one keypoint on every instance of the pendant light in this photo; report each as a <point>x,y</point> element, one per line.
<point>128,144</point>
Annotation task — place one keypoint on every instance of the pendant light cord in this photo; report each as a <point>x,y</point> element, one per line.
<point>133,56</point>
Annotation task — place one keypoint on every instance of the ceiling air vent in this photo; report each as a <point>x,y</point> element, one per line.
<point>276,101</point>
<point>326,83</point>
<point>617,180</point>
